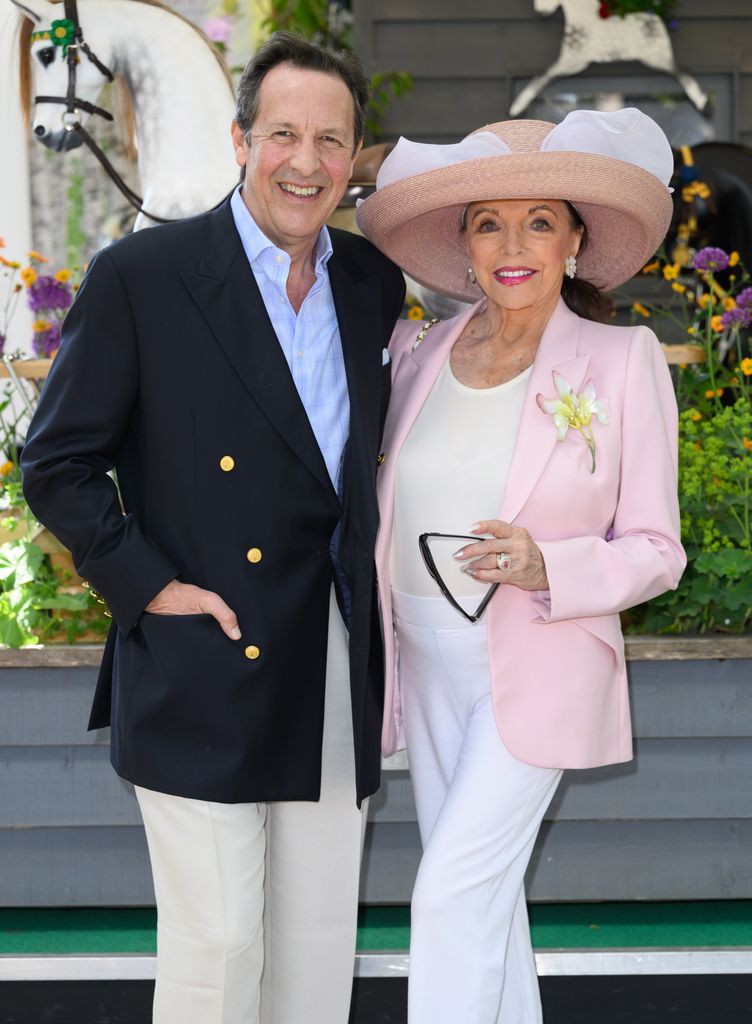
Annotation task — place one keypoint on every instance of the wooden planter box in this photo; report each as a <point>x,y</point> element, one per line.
<point>674,824</point>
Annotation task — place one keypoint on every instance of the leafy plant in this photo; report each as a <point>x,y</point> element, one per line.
<point>34,603</point>
<point>715,448</point>
<point>329,23</point>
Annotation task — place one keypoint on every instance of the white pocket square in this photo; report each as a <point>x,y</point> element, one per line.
<point>385,357</point>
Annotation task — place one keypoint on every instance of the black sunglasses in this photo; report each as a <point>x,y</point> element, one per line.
<point>434,573</point>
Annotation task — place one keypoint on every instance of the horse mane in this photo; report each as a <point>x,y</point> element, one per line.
<point>122,95</point>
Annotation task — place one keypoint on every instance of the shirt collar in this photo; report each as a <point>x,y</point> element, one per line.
<point>255,241</point>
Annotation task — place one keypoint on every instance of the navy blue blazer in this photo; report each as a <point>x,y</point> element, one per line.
<point>171,374</point>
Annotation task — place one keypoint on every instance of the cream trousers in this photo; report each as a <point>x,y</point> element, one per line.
<point>257,904</point>
<point>479,811</point>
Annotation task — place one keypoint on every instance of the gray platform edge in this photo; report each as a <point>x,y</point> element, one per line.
<point>674,824</point>
<point>549,963</point>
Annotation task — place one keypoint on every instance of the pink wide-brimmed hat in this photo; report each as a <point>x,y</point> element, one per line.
<point>613,167</point>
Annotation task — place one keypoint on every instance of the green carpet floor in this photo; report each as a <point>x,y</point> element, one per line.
<point>573,926</point>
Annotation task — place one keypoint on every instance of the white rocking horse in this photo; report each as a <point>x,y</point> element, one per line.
<point>181,93</point>
<point>589,38</point>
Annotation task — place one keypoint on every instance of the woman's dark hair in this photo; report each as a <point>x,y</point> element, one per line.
<point>288,48</point>
<point>582,297</point>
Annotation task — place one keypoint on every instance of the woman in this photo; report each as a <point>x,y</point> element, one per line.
<point>550,440</point>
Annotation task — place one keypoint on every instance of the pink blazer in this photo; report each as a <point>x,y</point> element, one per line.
<point>610,539</point>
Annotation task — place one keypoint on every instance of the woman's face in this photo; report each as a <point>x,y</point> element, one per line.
<point>517,249</point>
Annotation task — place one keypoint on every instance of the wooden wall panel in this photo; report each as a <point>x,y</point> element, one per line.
<point>462,56</point>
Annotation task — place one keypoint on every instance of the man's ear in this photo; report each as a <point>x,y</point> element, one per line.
<point>239,144</point>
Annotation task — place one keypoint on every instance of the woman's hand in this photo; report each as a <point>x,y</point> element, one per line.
<point>525,569</point>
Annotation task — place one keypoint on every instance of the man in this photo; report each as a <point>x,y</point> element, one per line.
<point>232,369</point>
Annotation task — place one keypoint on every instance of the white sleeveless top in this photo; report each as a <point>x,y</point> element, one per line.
<point>451,472</point>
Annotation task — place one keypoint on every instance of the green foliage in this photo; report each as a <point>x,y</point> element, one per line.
<point>663,8</point>
<point>715,488</point>
<point>33,608</point>
<point>329,23</point>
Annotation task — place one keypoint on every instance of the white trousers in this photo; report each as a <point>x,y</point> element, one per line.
<point>479,811</point>
<point>257,904</point>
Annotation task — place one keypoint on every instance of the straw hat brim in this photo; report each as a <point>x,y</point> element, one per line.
<point>416,221</point>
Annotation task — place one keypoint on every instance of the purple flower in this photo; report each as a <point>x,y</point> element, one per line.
<point>46,342</point>
<point>736,317</point>
<point>47,293</point>
<point>711,258</point>
<point>744,298</point>
<point>219,29</point>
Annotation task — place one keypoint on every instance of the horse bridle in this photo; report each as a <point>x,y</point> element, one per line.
<point>74,104</point>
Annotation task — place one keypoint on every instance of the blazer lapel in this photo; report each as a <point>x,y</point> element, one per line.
<point>357,301</point>
<point>414,375</point>
<point>536,434</point>
<point>225,290</point>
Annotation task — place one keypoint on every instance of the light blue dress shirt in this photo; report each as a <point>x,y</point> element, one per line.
<point>310,340</point>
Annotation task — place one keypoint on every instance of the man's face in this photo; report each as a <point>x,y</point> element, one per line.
<point>300,157</point>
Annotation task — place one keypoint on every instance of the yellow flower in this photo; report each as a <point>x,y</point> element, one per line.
<point>746,367</point>
<point>28,276</point>
<point>716,323</point>
<point>41,325</point>
<point>13,264</point>
<point>696,416</point>
<point>680,288</point>
<point>37,257</point>
<point>733,258</point>
<point>713,394</point>
<point>690,296</point>
<point>650,268</point>
<point>734,382</point>
<point>692,330</point>
<point>416,313</point>
<point>728,303</point>
<point>637,307</point>
<point>704,300</point>
<point>671,271</point>
<point>63,276</point>
<point>6,469</point>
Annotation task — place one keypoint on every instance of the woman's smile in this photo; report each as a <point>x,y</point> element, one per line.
<point>513,276</point>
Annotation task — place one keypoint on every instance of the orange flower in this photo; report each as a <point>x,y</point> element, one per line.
<point>716,323</point>
<point>713,394</point>
<point>746,367</point>
<point>747,444</point>
<point>2,243</point>
<point>9,263</point>
<point>37,257</point>
<point>637,307</point>
<point>650,268</point>
<point>6,469</point>
<point>733,258</point>
<point>41,325</point>
<point>415,313</point>
<point>728,303</point>
<point>704,300</point>
<point>28,276</point>
<point>696,416</point>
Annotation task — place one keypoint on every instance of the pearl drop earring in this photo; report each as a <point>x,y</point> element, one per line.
<point>471,275</point>
<point>570,266</point>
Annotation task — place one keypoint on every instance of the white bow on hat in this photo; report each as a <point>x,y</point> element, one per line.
<point>627,135</point>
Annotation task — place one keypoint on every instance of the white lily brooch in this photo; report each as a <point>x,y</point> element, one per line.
<point>576,411</point>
